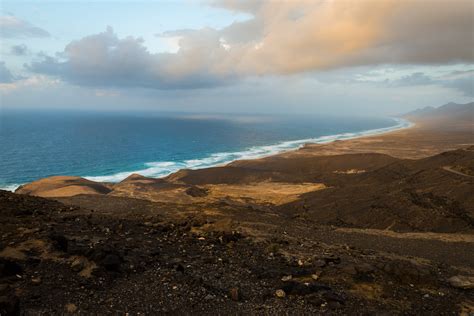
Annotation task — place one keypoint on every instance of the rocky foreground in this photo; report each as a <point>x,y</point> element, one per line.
<point>62,259</point>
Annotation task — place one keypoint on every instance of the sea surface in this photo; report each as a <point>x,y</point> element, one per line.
<point>109,147</point>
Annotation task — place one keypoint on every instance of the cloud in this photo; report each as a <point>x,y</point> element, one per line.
<point>106,93</point>
<point>417,78</point>
<point>279,38</point>
<point>104,60</point>
<point>30,83</point>
<point>5,74</point>
<point>299,36</point>
<point>462,81</point>
<point>19,50</point>
<point>246,6</point>
<point>272,94</point>
<point>13,27</point>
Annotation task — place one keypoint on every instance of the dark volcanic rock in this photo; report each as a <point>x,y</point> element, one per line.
<point>195,191</point>
<point>235,294</point>
<point>9,305</point>
<point>60,242</point>
<point>9,268</point>
<point>297,288</point>
<point>409,272</point>
<point>111,262</point>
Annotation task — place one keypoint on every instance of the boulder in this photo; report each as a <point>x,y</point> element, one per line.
<point>464,282</point>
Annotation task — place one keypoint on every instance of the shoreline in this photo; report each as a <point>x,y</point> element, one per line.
<point>252,153</point>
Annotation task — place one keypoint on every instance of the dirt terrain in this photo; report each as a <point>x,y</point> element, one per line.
<point>377,225</point>
<point>131,256</point>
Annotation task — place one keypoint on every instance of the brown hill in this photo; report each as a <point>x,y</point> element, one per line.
<point>63,186</point>
<point>221,175</point>
<point>281,168</point>
<point>432,194</point>
<point>140,187</point>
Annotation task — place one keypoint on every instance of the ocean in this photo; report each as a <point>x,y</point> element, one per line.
<point>110,146</point>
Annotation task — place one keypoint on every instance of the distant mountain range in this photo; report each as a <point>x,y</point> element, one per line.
<point>452,114</point>
<point>450,109</point>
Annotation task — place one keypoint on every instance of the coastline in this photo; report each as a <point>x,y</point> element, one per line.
<point>163,169</point>
<point>254,153</point>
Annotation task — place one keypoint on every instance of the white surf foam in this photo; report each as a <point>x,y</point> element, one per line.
<point>165,168</point>
<point>10,187</point>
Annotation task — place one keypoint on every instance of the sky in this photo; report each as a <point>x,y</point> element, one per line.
<point>382,57</point>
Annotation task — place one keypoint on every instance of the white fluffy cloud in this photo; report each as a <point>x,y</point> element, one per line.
<point>105,60</point>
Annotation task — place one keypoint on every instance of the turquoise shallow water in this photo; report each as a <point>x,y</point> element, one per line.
<point>109,147</point>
